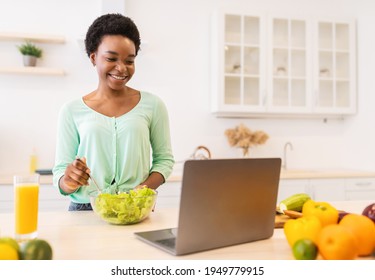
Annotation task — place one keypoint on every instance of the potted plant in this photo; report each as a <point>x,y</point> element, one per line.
<point>30,53</point>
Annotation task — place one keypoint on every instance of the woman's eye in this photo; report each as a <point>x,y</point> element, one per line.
<point>130,62</point>
<point>110,59</point>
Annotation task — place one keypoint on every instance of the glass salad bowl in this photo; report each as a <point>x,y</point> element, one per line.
<point>124,208</point>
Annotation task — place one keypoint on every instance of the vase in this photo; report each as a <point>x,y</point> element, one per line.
<point>29,60</point>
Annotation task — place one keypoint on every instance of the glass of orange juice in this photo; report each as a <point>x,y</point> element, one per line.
<point>26,198</point>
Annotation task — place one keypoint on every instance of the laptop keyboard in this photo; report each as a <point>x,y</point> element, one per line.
<point>169,242</point>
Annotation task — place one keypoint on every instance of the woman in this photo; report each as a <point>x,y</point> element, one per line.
<point>117,134</point>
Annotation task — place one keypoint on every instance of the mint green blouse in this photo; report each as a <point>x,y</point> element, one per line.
<point>121,152</point>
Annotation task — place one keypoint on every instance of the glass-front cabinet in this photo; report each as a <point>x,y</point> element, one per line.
<point>289,82</point>
<point>238,64</point>
<point>334,71</point>
<point>287,66</point>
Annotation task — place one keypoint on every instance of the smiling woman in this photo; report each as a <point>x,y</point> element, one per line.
<point>113,130</point>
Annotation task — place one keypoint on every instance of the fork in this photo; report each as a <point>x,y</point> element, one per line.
<point>92,179</point>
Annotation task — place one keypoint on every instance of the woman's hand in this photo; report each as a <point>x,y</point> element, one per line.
<point>141,186</point>
<point>153,181</point>
<point>76,175</point>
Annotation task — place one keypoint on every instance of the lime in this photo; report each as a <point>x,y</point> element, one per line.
<point>36,249</point>
<point>305,249</point>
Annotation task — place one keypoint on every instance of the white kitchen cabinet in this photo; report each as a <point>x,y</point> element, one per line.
<point>50,199</point>
<point>360,189</point>
<point>289,65</point>
<point>169,195</point>
<point>328,189</point>
<point>238,64</point>
<point>36,38</point>
<point>6,198</point>
<point>288,187</point>
<point>334,67</point>
<point>267,66</point>
<point>340,189</point>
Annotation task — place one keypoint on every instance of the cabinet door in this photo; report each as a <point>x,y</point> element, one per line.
<point>169,195</point>
<point>288,187</point>
<point>289,68</point>
<point>50,199</point>
<point>6,198</point>
<point>238,64</point>
<point>335,67</point>
<point>327,189</point>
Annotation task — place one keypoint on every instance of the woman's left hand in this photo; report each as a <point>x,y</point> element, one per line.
<point>141,186</point>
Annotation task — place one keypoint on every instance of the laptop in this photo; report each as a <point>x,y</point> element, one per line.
<point>223,202</point>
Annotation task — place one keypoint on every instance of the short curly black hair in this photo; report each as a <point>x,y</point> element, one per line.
<point>111,24</point>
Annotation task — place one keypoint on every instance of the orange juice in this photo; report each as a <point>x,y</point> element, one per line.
<point>26,209</point>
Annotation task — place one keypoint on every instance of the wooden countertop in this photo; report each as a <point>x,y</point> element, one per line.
<point>83,236</point>
<point>7,179</point>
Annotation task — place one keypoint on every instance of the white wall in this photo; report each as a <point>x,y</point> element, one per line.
<point>174,63</point>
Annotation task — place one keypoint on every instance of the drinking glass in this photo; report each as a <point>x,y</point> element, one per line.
<point>26,198</point>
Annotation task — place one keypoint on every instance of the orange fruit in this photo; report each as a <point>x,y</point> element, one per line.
<point>336,242</point>
<point>8,252</point>
<point>12,243</point>
<point>363,229</point>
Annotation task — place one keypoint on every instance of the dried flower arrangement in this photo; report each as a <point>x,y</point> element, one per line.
<point>242,137</point>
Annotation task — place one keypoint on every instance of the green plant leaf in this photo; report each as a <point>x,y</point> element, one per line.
<point>29,48</point>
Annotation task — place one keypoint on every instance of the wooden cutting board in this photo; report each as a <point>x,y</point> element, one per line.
<point>280,219</point>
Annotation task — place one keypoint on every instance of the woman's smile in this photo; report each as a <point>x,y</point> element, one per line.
<point>118,77</point>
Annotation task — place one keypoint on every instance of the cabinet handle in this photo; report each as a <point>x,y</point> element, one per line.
<point>363,184</point>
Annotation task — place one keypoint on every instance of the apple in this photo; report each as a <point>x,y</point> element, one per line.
<point>369,212</point>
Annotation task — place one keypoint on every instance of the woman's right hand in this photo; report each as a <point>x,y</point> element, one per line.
<point>76,175</point>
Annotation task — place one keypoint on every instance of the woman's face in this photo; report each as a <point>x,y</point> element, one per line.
<point>114,61</point>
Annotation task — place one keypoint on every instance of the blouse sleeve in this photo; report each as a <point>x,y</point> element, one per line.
<point>66,144</point>
<point>162,156</point>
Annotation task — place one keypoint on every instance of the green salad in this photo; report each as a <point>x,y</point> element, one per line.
<point>125,208</point>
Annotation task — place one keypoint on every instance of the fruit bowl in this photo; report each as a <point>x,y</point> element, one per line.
<point>124,208</point>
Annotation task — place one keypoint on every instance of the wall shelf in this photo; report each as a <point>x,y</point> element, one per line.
<point>32,70</point>
<point>35,38</point>
<point>38,38</point>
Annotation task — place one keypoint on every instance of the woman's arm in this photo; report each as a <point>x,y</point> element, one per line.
<point>162,156</point>
<point>68,173</point>
<point>154,180</point>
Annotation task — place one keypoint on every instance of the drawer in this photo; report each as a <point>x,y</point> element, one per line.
<point>360,184</point>
<point>50,199</point>
<point>360,195</point>
<point>6,194</point>
<point>170,189</point>
<point>167,202</point>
